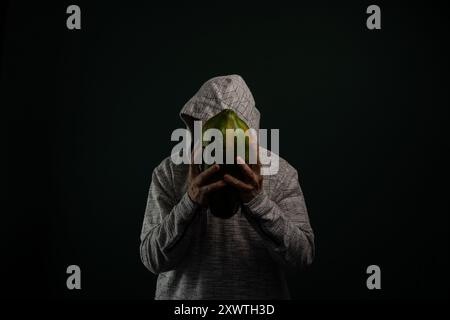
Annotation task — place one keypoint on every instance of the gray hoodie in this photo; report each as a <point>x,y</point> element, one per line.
<point>199,256</point>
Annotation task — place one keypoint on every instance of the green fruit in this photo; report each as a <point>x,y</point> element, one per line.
<point>228,119</point>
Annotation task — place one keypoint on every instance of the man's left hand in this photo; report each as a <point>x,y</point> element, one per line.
<point>253,180</point>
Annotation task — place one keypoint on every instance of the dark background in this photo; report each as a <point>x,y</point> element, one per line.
<point>88,114</point>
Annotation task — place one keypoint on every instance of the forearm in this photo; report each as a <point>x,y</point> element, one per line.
<point>165,244</point>
<point>292,242</point>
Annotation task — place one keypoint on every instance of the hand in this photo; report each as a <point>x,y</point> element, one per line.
<point>253,180</point>
<point>198,189</point>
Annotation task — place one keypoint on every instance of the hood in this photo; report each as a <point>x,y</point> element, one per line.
<point>217,94</point>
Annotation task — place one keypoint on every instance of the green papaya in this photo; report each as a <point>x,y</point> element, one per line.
<point>225,202</point>
<point>227,119</point>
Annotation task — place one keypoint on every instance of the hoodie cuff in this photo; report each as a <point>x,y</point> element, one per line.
<point>259,204</point>
<point>188,206</point>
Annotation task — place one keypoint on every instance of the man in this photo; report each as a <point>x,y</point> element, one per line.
<point>199,255</point>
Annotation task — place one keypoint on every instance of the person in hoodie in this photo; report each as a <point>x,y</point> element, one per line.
<point>200,255</point>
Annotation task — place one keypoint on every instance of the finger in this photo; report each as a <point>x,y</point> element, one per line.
<point>256,169</point>
<point>213,186</point>
<point>247,170</point>
<point>202,177</point>
<point>237,183</point>
<point>194,170</point>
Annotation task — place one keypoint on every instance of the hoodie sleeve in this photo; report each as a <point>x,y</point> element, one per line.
<point>284,223</point>
<point>167,227</point>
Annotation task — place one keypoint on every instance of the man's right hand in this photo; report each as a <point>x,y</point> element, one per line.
<point>198,189</point>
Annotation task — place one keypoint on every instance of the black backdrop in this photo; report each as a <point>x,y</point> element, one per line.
<point>89,114</point>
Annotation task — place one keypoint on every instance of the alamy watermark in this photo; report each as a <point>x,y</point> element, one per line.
<point>74,279</point>
<point>213,152</point>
